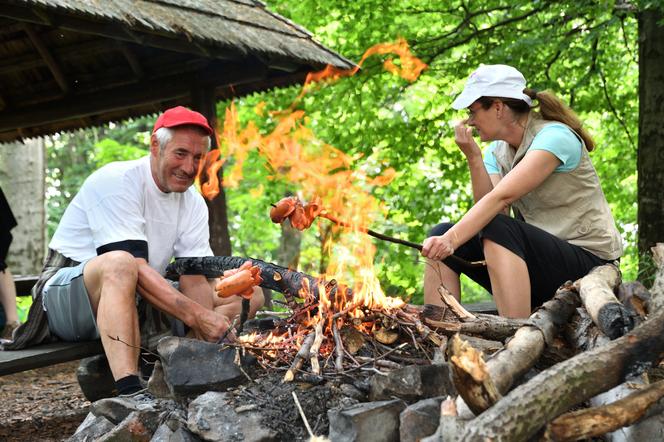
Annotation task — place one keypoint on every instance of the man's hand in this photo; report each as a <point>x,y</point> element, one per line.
<point>463,137</point>
<point>437,247</point>
<point>211,326</point>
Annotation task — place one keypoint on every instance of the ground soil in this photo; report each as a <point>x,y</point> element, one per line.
<point>45,404</point>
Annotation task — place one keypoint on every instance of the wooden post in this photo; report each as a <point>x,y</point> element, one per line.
<point>203,100</point>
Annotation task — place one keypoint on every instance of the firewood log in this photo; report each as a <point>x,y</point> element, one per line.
<point>596,291</point>
<point>569,383</point>
<point>597,421</point>
<point>486,326</point>
<point>281,279</point>
<point>480,391</point>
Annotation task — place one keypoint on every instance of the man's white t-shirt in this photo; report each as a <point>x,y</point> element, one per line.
<point>120,207</point>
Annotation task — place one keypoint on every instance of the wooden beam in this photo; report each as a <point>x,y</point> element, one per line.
<point>133,61</point>
<point>117,32</point>
<point>48,57</point>
<point>111,79</point>
<point>79,50</point>
<point>147,91</point>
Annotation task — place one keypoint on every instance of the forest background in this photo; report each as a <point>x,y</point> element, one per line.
<point>584,51</point>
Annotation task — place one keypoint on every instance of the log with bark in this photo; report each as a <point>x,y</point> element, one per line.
<point>569,383</point>
<point>482,384</point>
<point>592,422</point>
<point>596,291</point>
<point>289,282</point>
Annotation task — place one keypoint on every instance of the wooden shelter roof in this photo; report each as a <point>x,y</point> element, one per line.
<point>67,64</point>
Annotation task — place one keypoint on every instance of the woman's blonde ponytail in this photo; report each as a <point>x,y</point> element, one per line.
<point>552,108</point>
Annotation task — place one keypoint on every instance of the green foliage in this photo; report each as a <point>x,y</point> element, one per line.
<point>585,51</point>
<point>23,304</point>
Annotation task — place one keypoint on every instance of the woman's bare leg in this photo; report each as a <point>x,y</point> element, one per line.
<point>510,281</point>
<point>8,296</point>
<point>436,274</point>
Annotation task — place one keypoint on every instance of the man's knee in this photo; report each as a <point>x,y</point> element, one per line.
<point>119,262</point>
<point>440,229</point>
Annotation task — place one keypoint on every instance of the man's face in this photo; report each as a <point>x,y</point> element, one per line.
<point>174,167</point>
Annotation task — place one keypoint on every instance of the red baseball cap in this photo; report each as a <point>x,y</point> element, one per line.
<point>180,115</point>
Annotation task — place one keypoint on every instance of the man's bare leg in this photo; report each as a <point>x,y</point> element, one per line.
<point>510,282</point>
<point>8,296</point>
<point>110,280</point>
<point>435,274</point>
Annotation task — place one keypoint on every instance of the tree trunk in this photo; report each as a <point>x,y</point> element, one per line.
<point>650,154</point>
<point>22,180</point>
<point>202,100</point>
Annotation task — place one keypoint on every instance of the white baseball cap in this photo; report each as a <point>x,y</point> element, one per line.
<point>492,80</point>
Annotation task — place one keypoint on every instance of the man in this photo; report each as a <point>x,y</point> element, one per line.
<point>116,238</point>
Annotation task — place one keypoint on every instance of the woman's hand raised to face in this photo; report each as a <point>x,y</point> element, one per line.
<point>463,137</point>
<point>437,247</point>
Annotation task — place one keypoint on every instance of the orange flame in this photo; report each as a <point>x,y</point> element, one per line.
<point>324,172</point>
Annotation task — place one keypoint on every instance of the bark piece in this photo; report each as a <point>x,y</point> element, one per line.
<point>453,304</point>
<point>596,291</point>
<point>635,296</point>
<point>600,420</point>
<point>487,326</point>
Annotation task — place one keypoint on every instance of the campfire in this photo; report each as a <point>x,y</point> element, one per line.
<point>365,366</point>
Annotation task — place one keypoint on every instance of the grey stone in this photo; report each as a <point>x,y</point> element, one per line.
<point>163,434</point>
<point>91,428</point>
<point>116,409</point>
<point>420,419</point>
<point>413,383</point>
<point>137,426</point>
<point>353,392</point>
<point>212,417</point>
<point>184,435</point>
<point>366,422</point>
<point>157,384</point>
<point>95,378</point>
<point>193,367</point>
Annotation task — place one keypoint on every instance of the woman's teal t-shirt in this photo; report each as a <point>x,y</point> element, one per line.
<point>555,138</point>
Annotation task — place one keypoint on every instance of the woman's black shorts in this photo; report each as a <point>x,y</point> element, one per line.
<point>550,260</point>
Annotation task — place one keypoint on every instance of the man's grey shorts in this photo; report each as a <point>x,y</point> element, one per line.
<point>68,306</point>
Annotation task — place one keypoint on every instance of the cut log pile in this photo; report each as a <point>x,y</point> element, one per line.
<point>613,342</point>
<point>520,379</point>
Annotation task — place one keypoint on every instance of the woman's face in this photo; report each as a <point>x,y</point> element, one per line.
<point>485,121</point>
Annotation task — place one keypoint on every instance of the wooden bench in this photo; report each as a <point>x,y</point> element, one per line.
<point>47,354</point>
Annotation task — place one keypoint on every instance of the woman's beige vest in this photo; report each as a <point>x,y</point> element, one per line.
<point>569,205</point>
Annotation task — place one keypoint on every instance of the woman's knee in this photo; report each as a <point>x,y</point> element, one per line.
<point>440,229</point>
<point>497,226</point>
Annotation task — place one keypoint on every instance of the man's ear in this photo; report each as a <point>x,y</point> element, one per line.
<point>154,145</point>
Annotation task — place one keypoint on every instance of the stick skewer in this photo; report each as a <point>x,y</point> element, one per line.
<point>403,242</point>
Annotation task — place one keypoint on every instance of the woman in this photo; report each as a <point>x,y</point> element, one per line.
<point>538,165</point>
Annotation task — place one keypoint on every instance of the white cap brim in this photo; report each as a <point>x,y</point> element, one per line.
<point>465,99</point>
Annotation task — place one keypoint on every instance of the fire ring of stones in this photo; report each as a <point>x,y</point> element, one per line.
<point>355,370</point>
